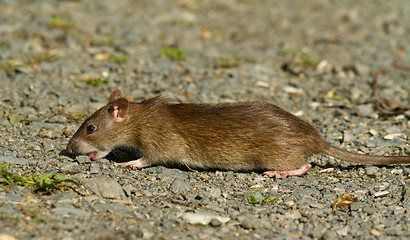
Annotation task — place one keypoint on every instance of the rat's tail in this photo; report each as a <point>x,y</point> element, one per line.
<point>366,159</point>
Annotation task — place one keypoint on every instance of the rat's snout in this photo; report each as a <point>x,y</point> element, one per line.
<point>70,150</point>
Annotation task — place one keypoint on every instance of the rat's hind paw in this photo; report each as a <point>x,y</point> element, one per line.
<point>283,174</point>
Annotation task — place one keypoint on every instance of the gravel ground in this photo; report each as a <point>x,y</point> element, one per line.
<point>60,60</point>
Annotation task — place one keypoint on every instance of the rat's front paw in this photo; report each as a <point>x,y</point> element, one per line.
<point>135,164</point>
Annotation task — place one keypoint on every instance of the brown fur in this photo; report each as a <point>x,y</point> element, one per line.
<point>231,136</point>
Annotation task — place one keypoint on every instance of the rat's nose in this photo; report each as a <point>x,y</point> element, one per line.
<point>70,150</point>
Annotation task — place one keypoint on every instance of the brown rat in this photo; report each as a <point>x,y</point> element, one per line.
<point>229,136</point>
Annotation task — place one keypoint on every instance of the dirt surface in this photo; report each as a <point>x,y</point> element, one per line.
<point>60,60</point>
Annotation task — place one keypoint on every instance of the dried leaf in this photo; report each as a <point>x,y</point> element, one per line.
<point>45,134</point>
<point>102,56</point>
<point>206,33</point>
<point>387,107</point>
<point>401,53</point>
<point>67,132</point>
<point>331,94</point>
<point>388,104</point>
<point>344,201</point>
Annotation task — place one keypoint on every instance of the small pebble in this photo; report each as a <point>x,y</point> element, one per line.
<point>372,171</point>
<point>248,221</point>
<point>180,185</point>
<point>82,159</point>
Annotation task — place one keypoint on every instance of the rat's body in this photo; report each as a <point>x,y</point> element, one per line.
<point>229,136</point>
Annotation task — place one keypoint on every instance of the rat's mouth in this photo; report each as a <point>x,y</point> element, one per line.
<point>92,155</point>
<point>95,155</point>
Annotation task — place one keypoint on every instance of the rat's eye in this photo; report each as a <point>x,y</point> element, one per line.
<point>91,129</point>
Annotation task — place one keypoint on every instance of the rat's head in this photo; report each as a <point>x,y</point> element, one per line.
<point>101,132</point>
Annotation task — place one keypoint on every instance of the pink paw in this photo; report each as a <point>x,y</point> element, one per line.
<point>283,174</point>
<point>135,164</point>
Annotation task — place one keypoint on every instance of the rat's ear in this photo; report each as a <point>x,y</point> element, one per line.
<point>119,109</point>
<point>115,95</point>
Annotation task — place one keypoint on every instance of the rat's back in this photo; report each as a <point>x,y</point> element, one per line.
<point>244,136</point>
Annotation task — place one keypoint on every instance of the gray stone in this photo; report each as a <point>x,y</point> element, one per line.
<point>14,197</point>
<point>203,218</point>
<point>258,196</point>
<point>229,176</point>
<point>362,69</point>
<point>366,110</point>
<point>214,193</point>
<point>180,185</point>
<point>317,205</point>
<point>249,221</point>
<point>104,187</point>
<point>215,222</point>
<point>94,168</point>
<point>48,145</point>
<point>114,208</point>
<point>294,215</point>
<point>83,159</point>
<point>312,191</point>
<point>163,65</point>
<point>372,171</point>
<point>16,160</point>
<point>71,212</point>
